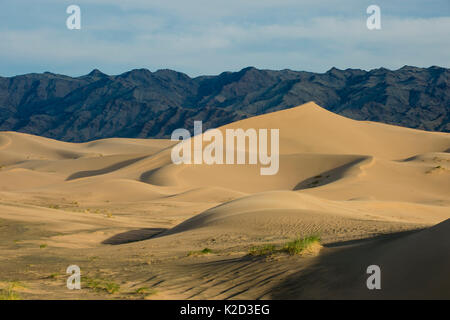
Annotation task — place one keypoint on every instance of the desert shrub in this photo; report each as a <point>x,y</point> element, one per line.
<point>201,252</point>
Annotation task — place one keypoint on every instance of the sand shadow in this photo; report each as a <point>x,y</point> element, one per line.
<point>385,236</point>
<point>114,167</point>
<point>329,176</point>
<point>145,176</point>
<point>134,236</point>
<point>340,272</point>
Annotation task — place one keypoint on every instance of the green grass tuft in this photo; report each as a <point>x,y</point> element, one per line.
<point>296,246</point>
<point>299,245</point>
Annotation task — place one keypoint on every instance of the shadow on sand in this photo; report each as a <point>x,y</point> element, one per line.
<point>134,235</point>
<point>407,261</point>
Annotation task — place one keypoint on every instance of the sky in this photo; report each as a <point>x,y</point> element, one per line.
<point>207,37</point>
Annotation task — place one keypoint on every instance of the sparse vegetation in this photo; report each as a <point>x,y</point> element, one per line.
<point>101,285</point>
<point>108,214</point>
<point>54,206</point>
<point>201,252</point>
<point>264,250</point>
<point>145,291</point>
<point>305,245</point>
<point>301,245</point>
<point>9,293</point>
<point>43,246</point>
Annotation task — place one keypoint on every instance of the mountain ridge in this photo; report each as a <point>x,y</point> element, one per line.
<point>144,104</point>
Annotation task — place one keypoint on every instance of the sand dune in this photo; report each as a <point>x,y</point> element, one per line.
<point>310,128</point>
<point>125,202</point>
<point>287,214</point>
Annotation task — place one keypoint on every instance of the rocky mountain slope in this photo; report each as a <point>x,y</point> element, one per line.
<point>142,104</point>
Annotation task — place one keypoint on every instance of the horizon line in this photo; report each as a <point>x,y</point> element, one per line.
<point>96,70</point>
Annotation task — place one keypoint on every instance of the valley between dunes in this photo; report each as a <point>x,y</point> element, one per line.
<point>129,217</point>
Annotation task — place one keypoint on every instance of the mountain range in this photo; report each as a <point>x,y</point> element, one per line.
<point>143,104</point>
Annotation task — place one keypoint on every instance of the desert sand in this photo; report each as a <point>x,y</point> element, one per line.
<point>134,221</point>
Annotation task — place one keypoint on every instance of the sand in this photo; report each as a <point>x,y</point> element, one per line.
<point>123,212</point>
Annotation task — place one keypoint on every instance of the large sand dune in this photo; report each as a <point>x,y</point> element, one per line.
<point>366,188</point>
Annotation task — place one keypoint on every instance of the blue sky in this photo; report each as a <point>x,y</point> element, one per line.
<point>208,36</point>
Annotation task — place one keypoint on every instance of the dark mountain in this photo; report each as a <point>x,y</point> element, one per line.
<point>142,104</point>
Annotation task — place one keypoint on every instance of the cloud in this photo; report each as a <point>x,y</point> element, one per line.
<point>118,35</point>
